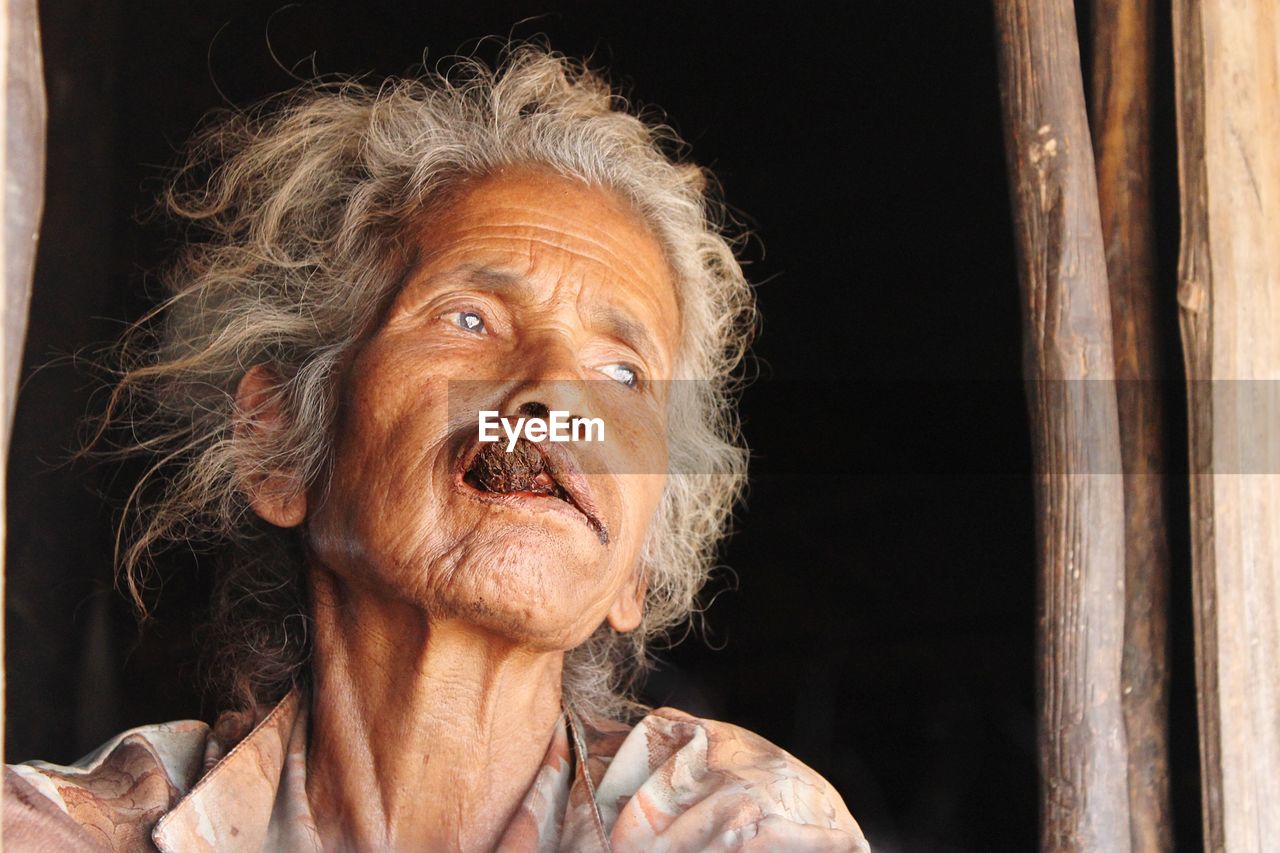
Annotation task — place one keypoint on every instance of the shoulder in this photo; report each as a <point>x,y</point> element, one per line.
<point>703,784</point>
<point>112,797</point>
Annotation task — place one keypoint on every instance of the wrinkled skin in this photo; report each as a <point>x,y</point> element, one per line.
<point>443,607</point>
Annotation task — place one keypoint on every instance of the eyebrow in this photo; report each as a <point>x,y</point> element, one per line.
<point>632,333</point>
<point>488,278</point>
<point>614,321</point>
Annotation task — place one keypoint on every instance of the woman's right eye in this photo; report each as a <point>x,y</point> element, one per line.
<point>468,320</point>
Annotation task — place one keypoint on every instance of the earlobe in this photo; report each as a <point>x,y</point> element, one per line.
<point>628,607</point>
<point>277,495</point>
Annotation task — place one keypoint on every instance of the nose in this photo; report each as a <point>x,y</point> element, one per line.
<point>551,380</point>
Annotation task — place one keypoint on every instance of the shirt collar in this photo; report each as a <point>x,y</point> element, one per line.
<point>230,807</point>
<point>257,792</point>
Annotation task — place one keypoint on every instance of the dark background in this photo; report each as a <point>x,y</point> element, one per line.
<point>877,614</point>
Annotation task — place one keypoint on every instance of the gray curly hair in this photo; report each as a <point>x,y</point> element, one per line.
<point>300,210</point>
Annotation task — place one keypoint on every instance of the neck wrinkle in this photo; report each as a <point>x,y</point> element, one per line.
<point>424,734</point>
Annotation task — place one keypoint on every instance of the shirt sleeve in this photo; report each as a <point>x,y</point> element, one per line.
<point>108,800</point>
<point>682,783</point>
<point>33,822</point>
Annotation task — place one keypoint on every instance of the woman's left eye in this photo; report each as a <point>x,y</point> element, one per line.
<point>621,373</point>
<point>468,320</point>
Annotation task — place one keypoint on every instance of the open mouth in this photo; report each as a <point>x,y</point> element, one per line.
<point>527,472</point>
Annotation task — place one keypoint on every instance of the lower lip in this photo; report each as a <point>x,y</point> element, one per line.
<point>525,500</point>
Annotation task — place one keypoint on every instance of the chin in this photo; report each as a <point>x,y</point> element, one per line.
<point>527,581</point>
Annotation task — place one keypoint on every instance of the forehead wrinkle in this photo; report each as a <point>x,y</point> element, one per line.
<point>563,239</point>
<point>499,278</point>
<point>617,320</point>
<point>576,218</point>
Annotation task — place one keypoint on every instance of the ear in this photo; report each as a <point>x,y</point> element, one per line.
<point>277,495</point>
<point>628,607</point>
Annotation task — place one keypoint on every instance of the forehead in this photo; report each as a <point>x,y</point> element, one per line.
<point>526,222</point>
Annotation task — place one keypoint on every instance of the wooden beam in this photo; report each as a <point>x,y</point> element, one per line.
<point>22,138</point>
<point>1071,394</point>
<point>1120,117</point>
<point>1227,61</point>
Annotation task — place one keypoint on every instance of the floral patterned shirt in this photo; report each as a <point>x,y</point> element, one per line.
<point>672,782</point>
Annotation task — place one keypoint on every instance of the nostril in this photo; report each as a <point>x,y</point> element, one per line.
<point>533,409</point>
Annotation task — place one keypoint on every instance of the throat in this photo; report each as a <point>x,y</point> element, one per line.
<point>422,736</point>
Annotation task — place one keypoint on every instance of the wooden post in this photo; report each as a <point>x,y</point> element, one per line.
<point>1071,395</point>
<point>1227,59</point>
<point>22,138</point>
<point>1123,51</point>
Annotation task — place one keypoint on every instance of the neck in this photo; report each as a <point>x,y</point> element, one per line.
<point>425,734</point>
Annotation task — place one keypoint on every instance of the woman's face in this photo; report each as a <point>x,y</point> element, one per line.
<point>532,293</point>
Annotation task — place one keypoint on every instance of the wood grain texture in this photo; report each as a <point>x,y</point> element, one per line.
<point>22,153</point>
<point>1120,118</point>
<point>1070,370</point>
<point>1227,60</point>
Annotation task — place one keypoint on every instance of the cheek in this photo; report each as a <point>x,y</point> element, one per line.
<point>635,433</point>
<point>642,495</point>
<point>637,448</point>
<point>396,411</point>
<point>636,451</point>
<point>379,492</point>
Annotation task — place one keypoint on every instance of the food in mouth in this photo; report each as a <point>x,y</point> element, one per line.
<point>522,471</point>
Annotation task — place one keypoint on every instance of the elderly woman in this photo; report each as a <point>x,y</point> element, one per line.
<point>427,638</point>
